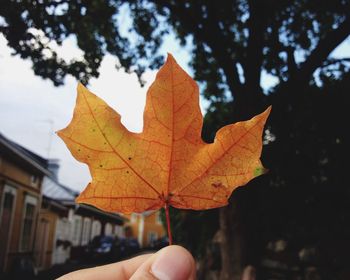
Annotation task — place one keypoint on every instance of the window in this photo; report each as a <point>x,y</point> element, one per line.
<point>96,229</point>
<point>65,228</point>
<point>28,222</point>
<point>108,229</point>
<point>119,231</point>
<point>152,237</point>
<point>133,218</point>
<point>7,207</point>
<point>86,231</point>
<point>159,218</point>
<point>77,225</point>
<point>62,228</point>
<point>34,180</point>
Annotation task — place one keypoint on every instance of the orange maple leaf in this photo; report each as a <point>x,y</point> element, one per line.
<point>168,163</point>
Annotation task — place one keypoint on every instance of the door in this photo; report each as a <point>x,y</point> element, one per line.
<point>42,243</point>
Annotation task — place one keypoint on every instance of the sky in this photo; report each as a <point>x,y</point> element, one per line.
<point>32,109</point>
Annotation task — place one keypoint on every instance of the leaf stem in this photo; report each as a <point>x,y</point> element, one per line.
<point>166,207</point>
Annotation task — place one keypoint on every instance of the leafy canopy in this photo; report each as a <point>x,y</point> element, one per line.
<point>232,41</point>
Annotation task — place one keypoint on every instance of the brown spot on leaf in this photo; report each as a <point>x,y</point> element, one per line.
<point>217,185</point>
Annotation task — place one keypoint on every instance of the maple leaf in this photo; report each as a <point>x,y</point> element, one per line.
<point>168,163</point>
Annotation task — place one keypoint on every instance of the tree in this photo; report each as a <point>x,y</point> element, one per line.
<point>233,43</point>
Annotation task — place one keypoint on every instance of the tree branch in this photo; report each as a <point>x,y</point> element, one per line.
<point>332,61</point>
<point>254,55</point>
<point>210,35</point>
<point>292,65</point>
<point>320,53</point>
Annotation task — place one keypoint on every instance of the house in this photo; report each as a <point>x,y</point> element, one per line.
<point>88,222</point>
<point>39,219</point>
<point>21,176</point>
<point>52,222</point>
<point>66,227</point>
<point>147,227</point>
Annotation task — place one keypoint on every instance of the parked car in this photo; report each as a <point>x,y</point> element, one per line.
<point>128,246</point>
<point>23,268</point>
<point>101,248</point>
<point>159,243</point>
<point>108,248</point>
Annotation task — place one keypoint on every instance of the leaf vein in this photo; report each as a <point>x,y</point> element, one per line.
<point>115,152</point>
<point>222,155</point>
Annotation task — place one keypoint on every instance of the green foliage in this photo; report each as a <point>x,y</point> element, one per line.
<point>232,40</point>
<point>29,27</point>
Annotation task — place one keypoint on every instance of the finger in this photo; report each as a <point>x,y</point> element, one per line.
<point>170,263</point>
<point>120,270</point>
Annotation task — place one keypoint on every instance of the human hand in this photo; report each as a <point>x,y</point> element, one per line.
<point>170,263</point>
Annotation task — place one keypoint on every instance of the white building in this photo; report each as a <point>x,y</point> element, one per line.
<point>65,228</point>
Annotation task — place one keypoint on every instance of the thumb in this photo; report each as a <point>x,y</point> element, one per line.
<point>170,263</point>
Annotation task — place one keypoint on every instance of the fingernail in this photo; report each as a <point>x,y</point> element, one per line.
<point>172,265</point>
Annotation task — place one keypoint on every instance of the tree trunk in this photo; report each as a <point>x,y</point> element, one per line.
<point>231,244</point>
<point>233,240</point>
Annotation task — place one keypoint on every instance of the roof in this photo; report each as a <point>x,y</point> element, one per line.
<point>107,216</point>
<point>54,205</point>
<point>23,156</point>
<point>55,190</point>
<point>148,213</point>
<point>59,193</point>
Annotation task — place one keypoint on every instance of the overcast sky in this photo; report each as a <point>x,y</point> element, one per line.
<point>32,109</point>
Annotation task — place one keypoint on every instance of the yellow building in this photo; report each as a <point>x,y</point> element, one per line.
<point>21,175</point>
<point>66,228</point>
<point>46,245</point>
<point>146,227</point>
<point>40,223</point>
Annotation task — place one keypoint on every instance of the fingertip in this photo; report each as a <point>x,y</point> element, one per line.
<point>170,263</point>
<point>173,263</point>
